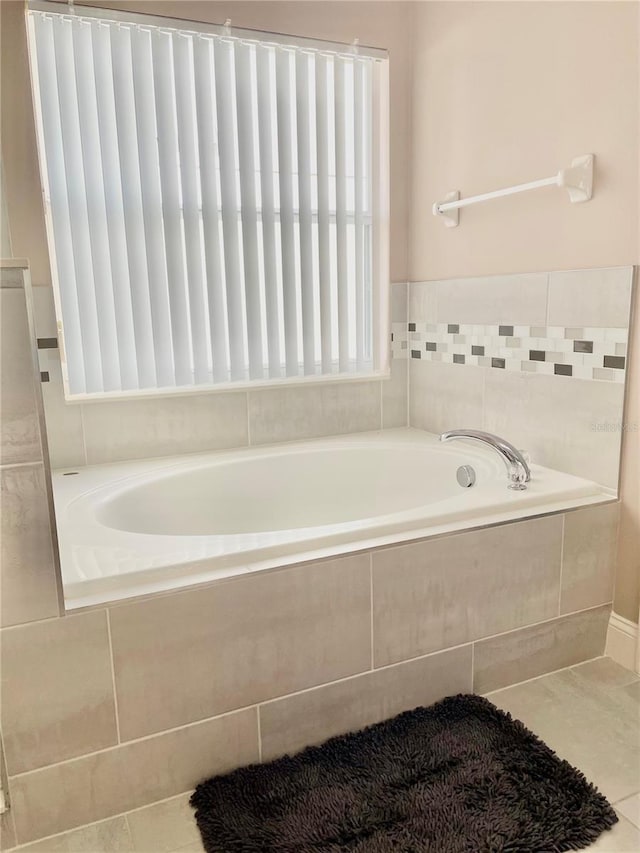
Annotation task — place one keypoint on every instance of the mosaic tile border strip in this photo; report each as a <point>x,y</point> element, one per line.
<point>582,353</point>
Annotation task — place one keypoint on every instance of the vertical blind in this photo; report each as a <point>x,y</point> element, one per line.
<point>214,202</point>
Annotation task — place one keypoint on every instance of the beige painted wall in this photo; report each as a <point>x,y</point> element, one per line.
<point>505,92</point>
<point>509,92</point>
<point>381,24</point>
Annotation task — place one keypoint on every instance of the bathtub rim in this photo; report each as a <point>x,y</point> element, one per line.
<point>201,573</point>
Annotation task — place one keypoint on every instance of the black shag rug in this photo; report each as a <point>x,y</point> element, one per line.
<point>457,777</point>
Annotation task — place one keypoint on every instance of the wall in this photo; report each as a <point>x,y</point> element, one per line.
<point>506,92</point>
<point>379,24</point>
<point>111,431</point>
<point>539,358</point>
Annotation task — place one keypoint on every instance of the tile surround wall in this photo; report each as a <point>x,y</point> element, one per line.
<point>539,358</point>
<point>28,588</point>
<point>99,432</point>
<point>161,692</point>
<point>149,697</point>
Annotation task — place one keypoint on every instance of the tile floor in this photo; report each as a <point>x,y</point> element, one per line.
<point>590,714</point>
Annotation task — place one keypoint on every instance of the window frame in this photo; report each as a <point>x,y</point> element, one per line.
<point>379,220</point>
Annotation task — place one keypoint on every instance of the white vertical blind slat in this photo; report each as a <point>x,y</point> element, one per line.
<point>305,213</point>
<point>59,203</point>
<point>211,203</point>
<point>213,249</point>
<point>324,248</point>
<point>132,203</point>
<point>77,200</point>
<point>285,164</point>
<point>188,156</point>
<point>125,336</point>
<point>264,59</point>
<point>359,167</point>
<point>147,128</point>
<point>224,73</point>
<point>171,202</point>
<point>248,202</point>
<point>341,212</point>
<point>96,204</point>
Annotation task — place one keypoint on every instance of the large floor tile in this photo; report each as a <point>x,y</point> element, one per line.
<point>289,724</point>
<point>444,592</point>
<point>604,672</point>
<point>594,728</point>
<point>195,654</point>
<point>622,838</point>
<point>630,808</point>
<point>84,790</point>
<point>532,651</point>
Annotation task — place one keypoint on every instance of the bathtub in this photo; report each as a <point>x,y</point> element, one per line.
<point>133,528</point>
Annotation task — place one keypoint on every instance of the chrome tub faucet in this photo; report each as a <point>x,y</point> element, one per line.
<point>517,468</point>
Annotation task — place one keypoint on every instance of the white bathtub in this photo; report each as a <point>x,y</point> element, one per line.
<point>133,528</point>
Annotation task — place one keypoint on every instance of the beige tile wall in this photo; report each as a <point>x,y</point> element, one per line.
<point>20,436</point>
<point>28,588</point>
<point>101,432</point>
<point>148,698</point>
<point>555,418</point>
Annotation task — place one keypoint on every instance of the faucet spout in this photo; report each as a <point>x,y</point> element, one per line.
<point>517,467</point>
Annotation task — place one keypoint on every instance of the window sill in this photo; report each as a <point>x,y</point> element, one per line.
<point>227,387</point>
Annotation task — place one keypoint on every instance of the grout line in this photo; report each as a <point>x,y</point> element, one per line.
<point>102,820</point>
<point>542,622</point>
<point>564,521</point>
<point>371,606</point>
<point>113,677</point>
<point>621,800</point>
<point>68,615</point>
<point>259,734</point>
<point>7,465</point>
<point>473,665</point>
<point>130,742</point>
<point>128,825</point>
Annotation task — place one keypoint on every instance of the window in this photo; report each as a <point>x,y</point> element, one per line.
<point>216,201</point>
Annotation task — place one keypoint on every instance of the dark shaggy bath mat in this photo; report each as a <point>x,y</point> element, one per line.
<point>458,777</point>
